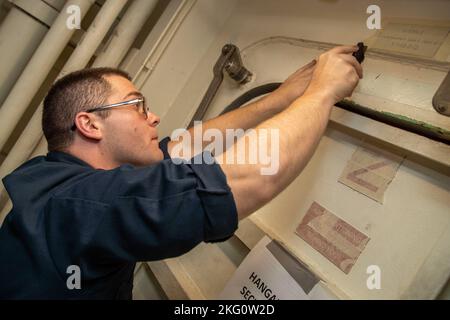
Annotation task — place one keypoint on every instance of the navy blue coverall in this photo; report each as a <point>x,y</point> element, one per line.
<point>67,213</point>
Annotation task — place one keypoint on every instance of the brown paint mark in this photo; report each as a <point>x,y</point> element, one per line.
<point>370,171</point>
<point>334,238</point>
<point>363,183</point>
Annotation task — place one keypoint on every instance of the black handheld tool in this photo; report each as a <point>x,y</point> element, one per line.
<point>359,55</point>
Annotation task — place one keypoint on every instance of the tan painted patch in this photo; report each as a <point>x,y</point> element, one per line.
<point>334,238</point>
<point>370,171</point>
<point>418,40</point>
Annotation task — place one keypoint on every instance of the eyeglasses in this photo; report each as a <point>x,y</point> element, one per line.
<point>139,103</point>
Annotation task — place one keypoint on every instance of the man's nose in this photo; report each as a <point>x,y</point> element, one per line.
<point>153,119</point>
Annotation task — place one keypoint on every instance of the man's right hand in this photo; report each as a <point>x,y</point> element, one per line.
<point>336,74</point>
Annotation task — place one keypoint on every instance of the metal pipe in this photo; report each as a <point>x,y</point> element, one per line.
<point>125,33</point>
<point>37,70</point>
<point>441,99</point>
<point>20,35</point>
<point>94,35</point>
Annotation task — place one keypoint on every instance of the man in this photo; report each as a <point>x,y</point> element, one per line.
<point>108,195</point>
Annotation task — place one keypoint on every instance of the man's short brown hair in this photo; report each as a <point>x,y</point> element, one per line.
<point>78,91</point>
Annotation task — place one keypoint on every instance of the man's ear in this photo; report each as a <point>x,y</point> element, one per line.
<point>89,125</point>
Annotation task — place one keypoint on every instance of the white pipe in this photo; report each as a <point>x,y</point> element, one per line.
<point>129,58</point>
<point>93,37</point>
<point>57,4</point>
<point>79,59</point>
<point>20,35</point>
<point>37,70</point>
<point>125,33</point>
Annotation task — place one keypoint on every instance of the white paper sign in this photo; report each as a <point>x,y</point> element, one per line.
<point>262,276</point>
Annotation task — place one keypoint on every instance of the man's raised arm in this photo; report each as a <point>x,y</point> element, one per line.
<point>254,113</point>
<point>300,128</point>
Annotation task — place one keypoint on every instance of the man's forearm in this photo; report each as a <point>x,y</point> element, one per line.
<point>300,128</point>
<point>249,116</point>
<point>242,118</point>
